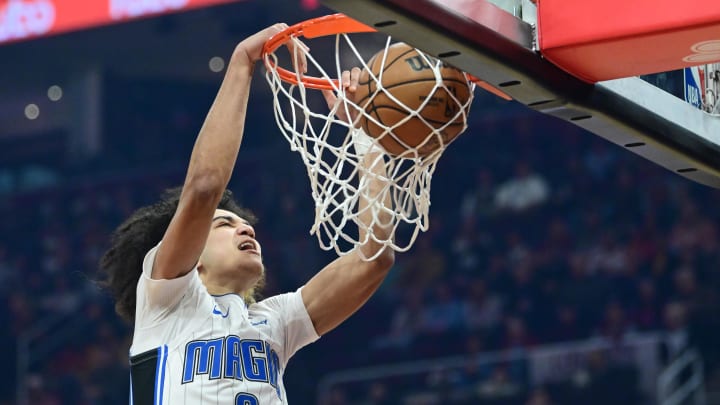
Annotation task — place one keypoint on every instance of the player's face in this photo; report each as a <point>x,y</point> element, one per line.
<point>231,253</point>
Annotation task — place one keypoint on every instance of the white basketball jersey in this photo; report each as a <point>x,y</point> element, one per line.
<point>190,347</point>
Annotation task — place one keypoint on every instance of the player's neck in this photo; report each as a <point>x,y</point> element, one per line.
<point>221,287</point>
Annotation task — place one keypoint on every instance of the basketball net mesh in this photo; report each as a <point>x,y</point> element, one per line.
<point>338,177</point>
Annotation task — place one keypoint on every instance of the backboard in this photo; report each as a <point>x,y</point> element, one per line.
<point>493,42</point>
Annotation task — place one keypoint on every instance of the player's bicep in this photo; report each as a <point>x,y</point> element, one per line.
<point>339,290</point>
<point>185,237</point>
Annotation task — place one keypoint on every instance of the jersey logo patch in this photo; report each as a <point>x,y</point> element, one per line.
<point>263,322</point>
<point>217,311</point>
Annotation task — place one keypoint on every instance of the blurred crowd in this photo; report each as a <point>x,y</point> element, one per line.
<point>539,233</point>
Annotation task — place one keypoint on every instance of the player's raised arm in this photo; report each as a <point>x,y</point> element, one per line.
<point>343,286</point>
<point>211,163</point>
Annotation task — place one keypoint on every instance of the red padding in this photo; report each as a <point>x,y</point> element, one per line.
<point>598,40</point>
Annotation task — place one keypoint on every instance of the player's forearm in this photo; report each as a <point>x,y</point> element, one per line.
<point>381,225</point>
<point>348,282</point>
<point>217,145</point>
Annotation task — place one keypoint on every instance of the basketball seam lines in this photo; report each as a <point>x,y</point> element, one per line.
<point>374,109</point>
<point>372,94</point>
<point>386,67</point>
<point>426,80</point>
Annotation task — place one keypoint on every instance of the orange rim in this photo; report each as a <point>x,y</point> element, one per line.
<point>317,27</point>
<point>488,87</point>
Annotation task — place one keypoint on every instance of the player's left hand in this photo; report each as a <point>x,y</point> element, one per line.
<point>348,85</point>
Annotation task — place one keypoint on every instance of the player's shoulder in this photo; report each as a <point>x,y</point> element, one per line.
<point>277,303</point>
<point>272,301</point>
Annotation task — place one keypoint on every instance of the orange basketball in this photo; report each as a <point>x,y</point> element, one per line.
<point>409,78</point>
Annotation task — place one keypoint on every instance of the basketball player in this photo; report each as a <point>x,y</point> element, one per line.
<point>185,270</point>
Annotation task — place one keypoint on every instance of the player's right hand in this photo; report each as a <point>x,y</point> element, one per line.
<point>251,47</point>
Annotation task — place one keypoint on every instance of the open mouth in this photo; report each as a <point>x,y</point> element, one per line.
<point>249,246</point>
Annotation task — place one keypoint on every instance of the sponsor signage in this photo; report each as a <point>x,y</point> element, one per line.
<point>27,19</point>
<point>695,86</point>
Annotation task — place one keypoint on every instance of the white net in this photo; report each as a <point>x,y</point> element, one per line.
<point>347,211</point>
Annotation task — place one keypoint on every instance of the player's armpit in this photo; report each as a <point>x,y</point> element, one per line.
<point>342,287</point>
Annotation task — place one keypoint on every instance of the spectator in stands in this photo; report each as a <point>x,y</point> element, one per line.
<point>603,382</point>
<point>539,396</point>
<point>614,324</point>
<point>426,266</point>
<point>40,393</point>
<point>685,286</point>
<point>607,255</point>
<point>686,233</point>
<point>481,309</point>
<point>646,313</point>
<point>405,324</point>
<point>336,396</point>
<point>551,254</point>
<point>378,394</point>
<point>500,386</point>
<point>599,161</point>
<point>478,202</point>
<point>445,384</point>
<point>678,338</point>
<point>470,248</point>
<point>525,190</point>
<point>586,292</point>
<point>8,275</point>
<point>516,335</point>
<point>443,312</point>
<point>565,326</point>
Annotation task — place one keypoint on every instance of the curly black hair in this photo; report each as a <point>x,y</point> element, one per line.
<point>121,265</point>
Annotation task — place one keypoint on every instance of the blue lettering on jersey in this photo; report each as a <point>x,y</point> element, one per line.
<point>205,358</point>
<point>232,357</point>
<point>255,367</point>
<point>233,365</point>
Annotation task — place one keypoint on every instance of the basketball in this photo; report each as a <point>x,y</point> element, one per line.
<point>408,76</point>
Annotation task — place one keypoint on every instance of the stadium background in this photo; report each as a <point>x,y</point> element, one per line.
<point>541,234</point>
